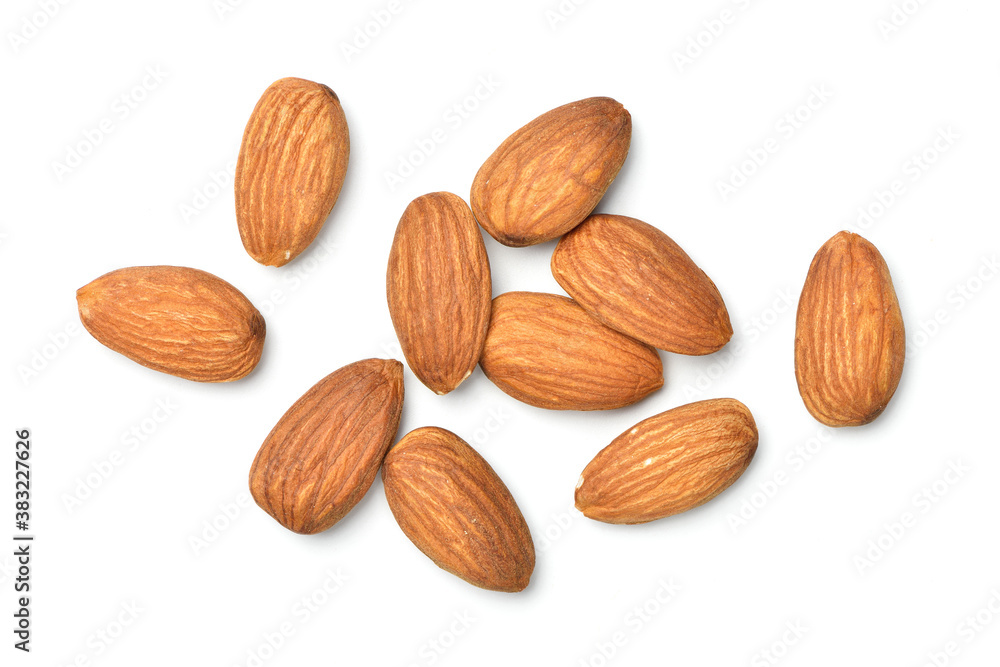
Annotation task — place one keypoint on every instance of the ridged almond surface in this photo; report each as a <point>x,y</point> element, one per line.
<point>439,289</point>
<point>175,320</point>
<point>548,176</point>
<point>324,453</point>
<point>849,336</point>
<point>455,509</point>
<point>669,463</point>
<point>634,278</point>
<point>546,351</point>
<point>291,167</point>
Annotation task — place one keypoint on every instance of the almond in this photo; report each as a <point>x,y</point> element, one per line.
<point>175,320</point>
<point>635,279</point>
<point>290,169</point>
<point>548,176</point>
<point>670,463</point>
<point>546,351</point>
<point>439,289</point>
<point>455,509</point>
<point>322,456</point>
<point>849,336</point>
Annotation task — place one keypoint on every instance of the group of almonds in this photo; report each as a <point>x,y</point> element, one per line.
<point>633,290</point>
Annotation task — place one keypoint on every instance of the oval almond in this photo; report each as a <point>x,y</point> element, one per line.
<point>457,511</point>
<point>544,179</point>
<point>546,351</point>
<point>290,169</point>
<point>322,456</point>
<point>439,289</point>
<point>634,278</point>
<point>670,463</point>
<point>176,320</point>
<point>849,338</point>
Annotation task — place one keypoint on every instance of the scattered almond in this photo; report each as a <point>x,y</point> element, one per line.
<point>290,169</point>
<point>324,453</point>
<point>546,351</point>
<point>635,279</point>
<point>670,463</point>
<point>455,509</point>
<point>849,336</point>
<point>175,320</point>
<point>548,176</point>
<point>439,289</point>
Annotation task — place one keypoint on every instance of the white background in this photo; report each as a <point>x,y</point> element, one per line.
<point>794,561</point>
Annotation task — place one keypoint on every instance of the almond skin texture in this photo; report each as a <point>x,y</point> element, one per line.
<point>175,320</point>
<point>439,289</point>
<point>455,509</point>
<point>548,176</point>
<point>546,351</point>
<point>290,169</point>
<point>849,337</point>
<point>670,463</point>
<point>322,456</point>
<point>635,279</point>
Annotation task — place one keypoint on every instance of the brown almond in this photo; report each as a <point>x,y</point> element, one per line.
<point>175,320</point>
<point>548,176</point>
<point>546,351</point>
<point>455,509</point>
<point>670,463</point>
<point>439,289</point>
<point>291,167</point>
<point>849,336</point>
<point>635,279</point>
<point>323,454</point>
